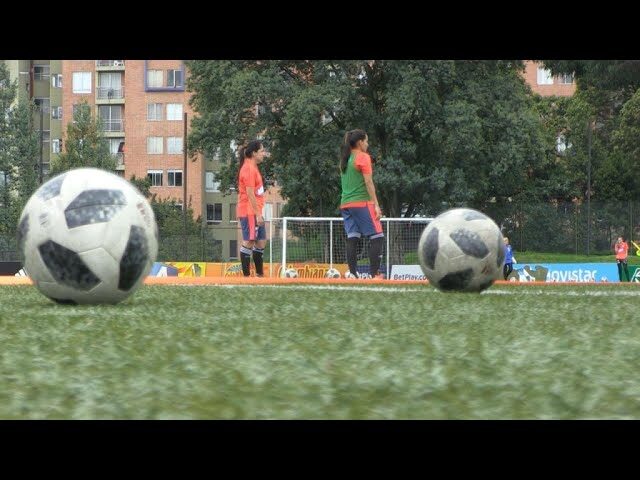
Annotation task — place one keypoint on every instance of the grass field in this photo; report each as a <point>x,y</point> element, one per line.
<point>324,352</point>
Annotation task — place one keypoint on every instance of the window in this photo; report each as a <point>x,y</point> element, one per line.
<point>156,177</point>
<point>42,104</point>
<point>5,179</point>
<point>233,249</point>
<point>214,213</point>
<point>174,145</point>
<point>81,82</point>
<point>154,78</point>
<point>174,111</point>
<point>56,80</point>
<point>210,182</point>
<point>116,147</point>
<point>174,78</point>
<point>174,178</point>
<point>46,135</point>
<point>154,111</point>
<point>110,85</point>
<point>40,72</point>
<point>544,76</point>
<point>56,145</point>
<point>232,213</point>
<point>566,78</point>
<point>111,117</point>
<point>56,112</point>
<point>154,145</point>
<point>267,211</point>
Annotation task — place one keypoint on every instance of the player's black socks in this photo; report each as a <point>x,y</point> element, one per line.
<point>352,250</point>
<point>257,260</point>
<point>245,259</point>
<point>375,252</point>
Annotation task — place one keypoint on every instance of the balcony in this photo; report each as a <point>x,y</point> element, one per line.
<point>113,128</point>
<point>107,95</point>
<point>109,65</point>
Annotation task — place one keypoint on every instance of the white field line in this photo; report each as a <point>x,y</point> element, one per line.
<point>490,291</point>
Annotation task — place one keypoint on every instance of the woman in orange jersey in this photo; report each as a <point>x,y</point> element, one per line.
<point>622,250</point>
<point>359,203</point>
<point>250,204</point>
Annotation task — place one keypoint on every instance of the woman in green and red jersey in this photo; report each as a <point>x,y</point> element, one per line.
<point>359,204</point>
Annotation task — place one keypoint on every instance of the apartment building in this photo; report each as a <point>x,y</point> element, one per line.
<point>41,81</point>
<point>545,84</point>
<point>142,106</point>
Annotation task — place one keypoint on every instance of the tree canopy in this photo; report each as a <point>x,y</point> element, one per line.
<point>443,133</point>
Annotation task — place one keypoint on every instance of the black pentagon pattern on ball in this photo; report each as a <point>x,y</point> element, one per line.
<point>469,242</point>
<point>134,258</point>
<point>23,229</point>
<point>94,206</point>
<point>51,188</point>
<point>430,248</point>
<point>474,215</point>
<point>500,259</point>
<point>456,280</point>
<point>67,267</point>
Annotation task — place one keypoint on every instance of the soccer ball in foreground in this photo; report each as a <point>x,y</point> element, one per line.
<point>291,273</point>
<point>461,250</point>
<point>332,273</point>
<point>87,236</point>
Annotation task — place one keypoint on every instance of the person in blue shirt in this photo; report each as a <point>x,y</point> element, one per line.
<point>509,259</point>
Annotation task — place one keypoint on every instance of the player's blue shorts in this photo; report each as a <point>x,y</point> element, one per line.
<point>361,221</point>
<point>251,230</point>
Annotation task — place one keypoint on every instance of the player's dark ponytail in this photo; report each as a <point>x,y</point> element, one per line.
<point>351,138</point>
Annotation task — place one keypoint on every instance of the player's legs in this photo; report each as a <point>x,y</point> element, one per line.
<point>248,225</point>
<point>370,226</point>
<point>353,236</point>
<point>625,267</point>
<point>507,269</point>
<point>258,250</point>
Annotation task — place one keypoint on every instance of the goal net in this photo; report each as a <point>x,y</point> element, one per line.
<point>313,245</point>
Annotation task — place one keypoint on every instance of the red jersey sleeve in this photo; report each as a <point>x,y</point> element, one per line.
<point>363,163</point>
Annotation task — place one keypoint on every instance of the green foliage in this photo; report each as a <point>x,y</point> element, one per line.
<point>19,150</point>
<point>85,144</point>
<point>443,132</point>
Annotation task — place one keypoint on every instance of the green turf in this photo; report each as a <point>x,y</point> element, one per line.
<point>297,352</point>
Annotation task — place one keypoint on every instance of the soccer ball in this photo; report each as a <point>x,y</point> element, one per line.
<point>461,250</point>
<point>291,273</point>
<point>332,273</point>
<point>87,236</point>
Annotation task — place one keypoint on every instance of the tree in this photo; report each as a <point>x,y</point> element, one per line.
<point>443,133</point>
<point>25,149</point>
<point>18,153</point>
<point>85,145</point>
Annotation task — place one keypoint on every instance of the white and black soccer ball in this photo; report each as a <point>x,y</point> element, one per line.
<point>461,250</point>
<point>291,273</point>
<point>333,273</point>
<point>87,236</point>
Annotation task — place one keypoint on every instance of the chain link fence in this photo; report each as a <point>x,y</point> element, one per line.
<point>553,228</point>
<point>575,228</point>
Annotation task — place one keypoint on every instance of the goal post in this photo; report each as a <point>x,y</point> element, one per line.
<point>322,241</point>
